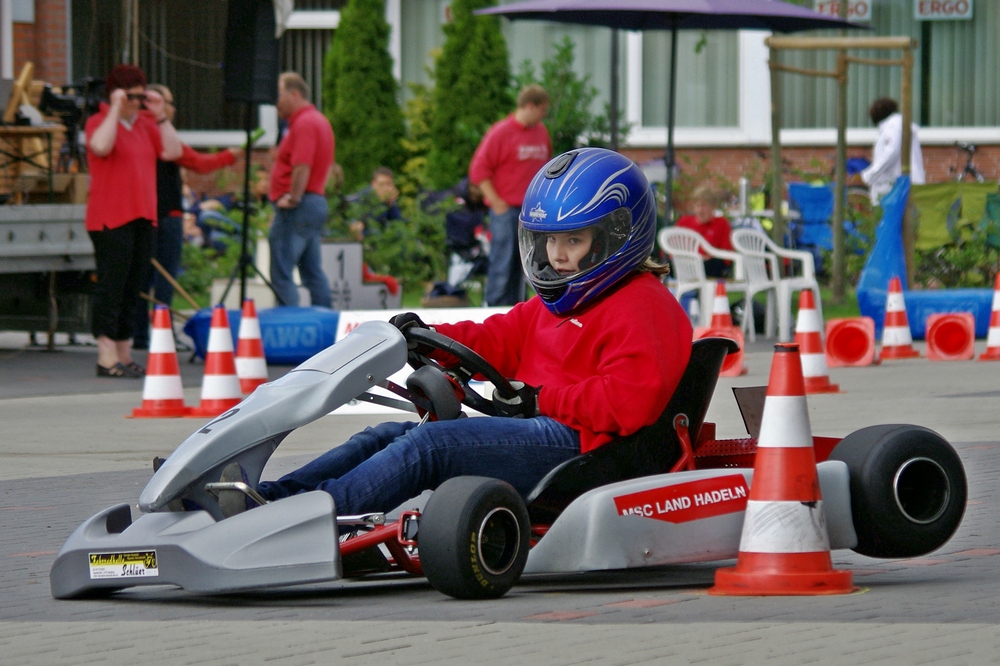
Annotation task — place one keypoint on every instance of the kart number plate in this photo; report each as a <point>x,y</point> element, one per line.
<point>135,564</point>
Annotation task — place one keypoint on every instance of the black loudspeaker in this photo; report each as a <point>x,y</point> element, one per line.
<point>251,69</point>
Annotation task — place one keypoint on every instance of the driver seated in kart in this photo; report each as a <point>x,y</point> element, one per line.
<point>596,355</point>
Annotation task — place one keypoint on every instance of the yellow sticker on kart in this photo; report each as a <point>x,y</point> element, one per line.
<point>134,564</point>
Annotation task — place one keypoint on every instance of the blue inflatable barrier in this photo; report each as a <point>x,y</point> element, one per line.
<point>887,260</point>
<point>290,335</point>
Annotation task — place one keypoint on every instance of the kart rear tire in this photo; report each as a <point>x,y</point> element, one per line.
<point>473,538</point>
<point>908,489</point>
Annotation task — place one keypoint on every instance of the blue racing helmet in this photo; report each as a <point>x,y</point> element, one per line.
<point>588,188</point>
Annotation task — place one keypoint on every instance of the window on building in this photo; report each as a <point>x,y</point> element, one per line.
<point>955,79</point>
<point>707,78</point>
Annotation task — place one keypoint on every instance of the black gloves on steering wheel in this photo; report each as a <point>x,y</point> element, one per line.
<point>523,406</point>
<point>408,320</point>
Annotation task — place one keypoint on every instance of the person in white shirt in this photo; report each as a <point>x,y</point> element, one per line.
<point>886,164</point>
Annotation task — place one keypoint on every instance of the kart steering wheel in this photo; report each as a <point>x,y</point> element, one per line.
<point>469,364</point>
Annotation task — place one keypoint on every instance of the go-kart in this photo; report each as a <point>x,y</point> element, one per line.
<point>669,494</point>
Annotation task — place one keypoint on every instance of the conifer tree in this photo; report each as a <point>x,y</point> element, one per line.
<point>359,93</point>
<point>471,90</point>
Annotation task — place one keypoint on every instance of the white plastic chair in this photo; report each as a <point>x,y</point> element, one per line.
<point>684,246</point>
<point>749,241</point>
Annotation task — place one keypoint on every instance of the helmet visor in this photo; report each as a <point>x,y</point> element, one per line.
<point>553,260</point>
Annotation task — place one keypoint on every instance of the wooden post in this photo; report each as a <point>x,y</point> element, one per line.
<point>840,181</point>
<point>777,186</point>
<point>906,102</point>
<point>840,173</point>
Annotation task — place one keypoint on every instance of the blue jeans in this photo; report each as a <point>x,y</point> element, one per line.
<point>504,278</point>
<point>295,241</point>
<point>381,467</point>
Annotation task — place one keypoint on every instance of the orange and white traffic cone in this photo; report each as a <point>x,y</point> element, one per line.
<point>721,326</point>
<point>251,367</point>
<point>810,340</point>
<point>992,352</point>
<point>220,387</point>
<point>897,341</point>
<point>162,392</point>
<point>785,546</point>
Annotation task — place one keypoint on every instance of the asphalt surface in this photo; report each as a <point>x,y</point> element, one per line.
<point>67,451</point>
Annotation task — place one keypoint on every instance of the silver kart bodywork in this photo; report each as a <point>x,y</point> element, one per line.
<point>593,535</point>
<point>282,543</point>
<point>181,537</point>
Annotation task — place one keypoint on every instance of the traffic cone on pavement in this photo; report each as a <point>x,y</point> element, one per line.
<point>220,387</point>
<point>897,341</point>
<point>992,352</point>
<point>721,326</point>
<point>785,546</point>
<point>810,341</point>
<point>162,392</point>
<point>251,367</point>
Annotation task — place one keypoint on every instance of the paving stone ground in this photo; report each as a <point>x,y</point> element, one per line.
<point>66,452</point>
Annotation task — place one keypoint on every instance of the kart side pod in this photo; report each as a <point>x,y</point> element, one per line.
<point>283,543</point>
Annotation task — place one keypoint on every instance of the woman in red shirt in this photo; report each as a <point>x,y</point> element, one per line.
<point>124,139</point>
<point>712,228</point>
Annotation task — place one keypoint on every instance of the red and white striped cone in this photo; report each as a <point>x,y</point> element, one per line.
<point>785,546</point>
<point>897,341</point>
<point>992,352</point>
<point>162,392</point>
<point>251,367</point>
<point>809,338</point>
<point>220,387</point>
<point>721,326</point>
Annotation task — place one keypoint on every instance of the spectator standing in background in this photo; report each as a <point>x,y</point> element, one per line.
<point>713,228</point>
<point>887,163</point>
<point>508,157</point>
<point>298,189</point>
<point>124,140</point>
<point>169,235</point>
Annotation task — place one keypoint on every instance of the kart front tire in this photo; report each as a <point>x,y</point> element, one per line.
<point>908,489</point>
<point>473,538</point>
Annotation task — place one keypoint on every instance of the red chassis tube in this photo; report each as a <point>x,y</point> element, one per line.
<point>706,453</point>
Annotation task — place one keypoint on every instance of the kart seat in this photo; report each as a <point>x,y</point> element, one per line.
<point>651,450</point>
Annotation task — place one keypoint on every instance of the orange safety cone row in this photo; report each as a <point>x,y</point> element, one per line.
<point>897,341</point>
<point>951,337</point>
<point>810,341</point>
<point>251,367</point>
<point>850,342</point>
<point>721,326</point>
<point>162,392</point>
<point>785,546</point>
<point>220,387</point>
<point>992,352</point>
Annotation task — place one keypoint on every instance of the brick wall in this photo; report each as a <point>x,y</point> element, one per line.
<point>44,42</point>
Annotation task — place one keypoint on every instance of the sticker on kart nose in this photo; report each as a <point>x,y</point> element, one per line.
<point>684,502</point>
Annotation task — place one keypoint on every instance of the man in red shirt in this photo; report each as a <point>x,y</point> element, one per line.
<point>506,160</point>
<point>298,187</point>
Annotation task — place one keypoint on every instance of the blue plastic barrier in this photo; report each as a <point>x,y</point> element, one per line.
<point>289,335</point>
<point>886,260</point>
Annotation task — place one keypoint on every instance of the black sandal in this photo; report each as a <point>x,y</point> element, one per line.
<point>136,368</point>
<point>117,370</point>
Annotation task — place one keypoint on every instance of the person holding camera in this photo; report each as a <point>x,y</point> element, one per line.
<point>124,139</point>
